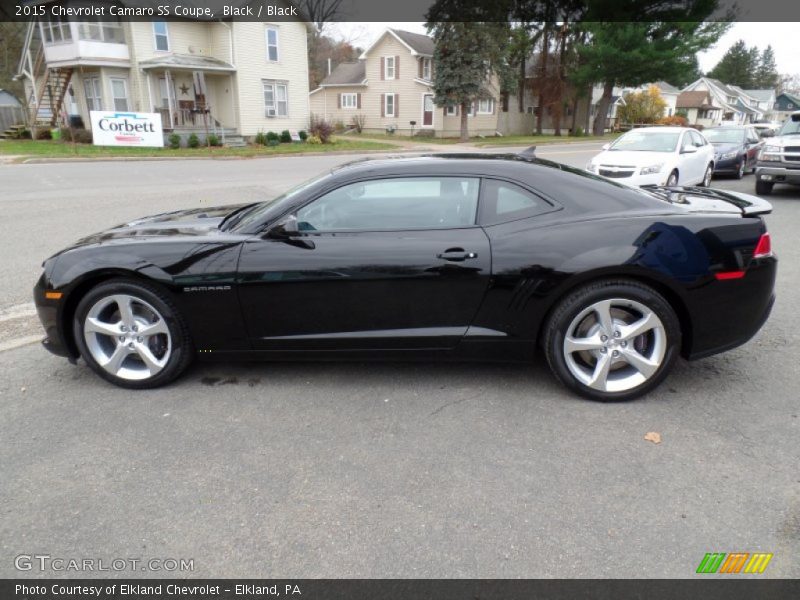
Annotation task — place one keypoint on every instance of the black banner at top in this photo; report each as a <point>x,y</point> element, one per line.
<point>406,10</point>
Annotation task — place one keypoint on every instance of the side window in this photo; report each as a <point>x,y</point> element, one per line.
<point>394,204</point>
<point>697,139</point>
<point>503,201</point>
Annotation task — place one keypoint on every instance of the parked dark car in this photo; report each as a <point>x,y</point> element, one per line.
<point>464,257</point>
<point>735,149</point>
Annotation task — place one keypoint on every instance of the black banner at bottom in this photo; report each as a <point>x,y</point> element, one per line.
<point>397,589</point>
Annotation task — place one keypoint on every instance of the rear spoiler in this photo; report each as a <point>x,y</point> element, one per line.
<point>703,199</point>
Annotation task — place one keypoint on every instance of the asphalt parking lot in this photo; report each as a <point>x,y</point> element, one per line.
<point>378,470</point>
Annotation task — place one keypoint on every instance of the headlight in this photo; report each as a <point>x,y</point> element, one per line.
<point>651,169</point>
<point>767,149</point>
<point>591,167</point>
<point>728,155</point>
<point>770,153</point>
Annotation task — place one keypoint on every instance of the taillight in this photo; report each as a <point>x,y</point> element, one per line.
<point>764,247</point>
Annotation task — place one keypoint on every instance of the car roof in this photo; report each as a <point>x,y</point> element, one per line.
<point>667,128</point>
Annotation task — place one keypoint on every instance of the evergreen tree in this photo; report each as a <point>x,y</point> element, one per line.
<point>767,76</point>
<point>738,66</point>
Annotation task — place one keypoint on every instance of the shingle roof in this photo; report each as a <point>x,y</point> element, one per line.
<point>667,88</point>
<point>760,95</point>
<point>724,87</point>
<point>421,44</point>
<point>187,61</point>
<point>347,73</point>
<point>692,100</point>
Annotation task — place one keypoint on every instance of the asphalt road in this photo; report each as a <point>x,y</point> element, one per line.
<point>378,470</point>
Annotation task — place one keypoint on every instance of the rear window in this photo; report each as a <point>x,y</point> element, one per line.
<point>503,201</point>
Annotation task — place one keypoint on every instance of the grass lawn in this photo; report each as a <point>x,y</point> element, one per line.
<point>48,148</point>
<point>508,140</point>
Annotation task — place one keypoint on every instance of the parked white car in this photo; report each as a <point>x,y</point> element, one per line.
<point>657,156</point>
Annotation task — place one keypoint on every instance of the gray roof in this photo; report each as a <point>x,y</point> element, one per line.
<point>421,44</point>
<point>724,87</point>
<point>8,99</point>
<point>760,95</point>
<point>666,88</point>
<point>187,61</point>
<point>347,73</point>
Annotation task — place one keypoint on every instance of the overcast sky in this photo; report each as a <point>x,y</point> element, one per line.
<point>782,36</point>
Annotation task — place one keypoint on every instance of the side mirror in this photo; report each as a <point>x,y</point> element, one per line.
<point>284,229</point>
<point>606,146</point>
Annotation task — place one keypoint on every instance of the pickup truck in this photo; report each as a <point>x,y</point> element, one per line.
<point>779,161</point>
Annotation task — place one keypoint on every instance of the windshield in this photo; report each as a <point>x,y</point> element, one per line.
<point>724,136</point>
<point>647,141</point>
<point>258,212</point>
<point>791,126</point>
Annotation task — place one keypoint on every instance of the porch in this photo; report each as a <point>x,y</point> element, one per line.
<point>193,94</point>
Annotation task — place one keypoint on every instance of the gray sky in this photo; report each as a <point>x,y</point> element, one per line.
<point>782,36</point>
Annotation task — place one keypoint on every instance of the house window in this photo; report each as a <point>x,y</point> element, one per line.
<point>426,69</point>
<point>91,88</point>
<point>451,111</point>
<point>276,99</point>
<point>161,35</point>
<point>119,92</point>
<point>349,101</point>
<point>388,105</point>
<point>389,67</point>
<point>110,32</point>
<point>56,32</point>
<point>272,44</point>
<point>485,106</point>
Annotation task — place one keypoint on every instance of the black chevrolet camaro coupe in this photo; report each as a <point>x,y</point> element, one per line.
<point>485,257</point>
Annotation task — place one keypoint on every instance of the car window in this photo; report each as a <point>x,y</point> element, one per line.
<point>640,140</point>
<point>503,201</point>
<point>697,139</point>
<point>752,136</point>
<point>687,140</point>
<point>394,204</point>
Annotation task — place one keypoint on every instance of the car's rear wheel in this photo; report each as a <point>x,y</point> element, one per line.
<point>707,176</point>
<point>612,340</point>
<point>764,188</point>
<point>740,170</point>
<point>672,180</point>
<point>132,335</point>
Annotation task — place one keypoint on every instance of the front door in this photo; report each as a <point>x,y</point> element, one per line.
<point>382,264</point>
<point>427,110</point>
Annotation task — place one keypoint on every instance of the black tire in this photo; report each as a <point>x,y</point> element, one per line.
<point>764,188</point>
<point>672,180</point>
<point>740,171</point>
<point>707,175</point>
<point>573,304</point>
<point>181,349</point>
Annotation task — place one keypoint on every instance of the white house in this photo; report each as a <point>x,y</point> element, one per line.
<point>735,104</point>
<point>236,78</point>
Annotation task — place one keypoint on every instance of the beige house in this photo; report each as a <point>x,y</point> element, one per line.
<point>390,86</point>
<point>233,79</point>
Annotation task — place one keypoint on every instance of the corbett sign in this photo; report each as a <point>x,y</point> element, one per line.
<point>126,129</point>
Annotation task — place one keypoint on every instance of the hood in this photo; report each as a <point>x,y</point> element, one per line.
<point>190,223</point>
<point>724,147</point>
<point>783,140</point>
<point>622,158</point>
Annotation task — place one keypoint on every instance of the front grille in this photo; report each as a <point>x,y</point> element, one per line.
<point>615,174</point>
<point>792,149</point>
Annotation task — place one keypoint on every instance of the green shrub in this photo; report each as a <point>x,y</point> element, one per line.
<point>313,139</point>
<point>260,139</point>
<point>193,141</point>
<point>273,143</point>
<point>174,141</point>
<point>44,134</point>
<point>213,140</point>
<point>79,136</point>
<point>286,137</point>
<point>578,132</point>
<point>303,136</point>
<point>273,137</point>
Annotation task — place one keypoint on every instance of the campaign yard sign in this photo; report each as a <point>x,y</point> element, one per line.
<point>126,129</point>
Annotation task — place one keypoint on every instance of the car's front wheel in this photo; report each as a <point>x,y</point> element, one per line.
<point>672,180</point>
<point>612,340</point>
<point>707,176</point>
<point>764,188</point>
<point>132,335</point>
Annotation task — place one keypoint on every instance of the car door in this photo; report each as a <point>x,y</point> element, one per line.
<point>753,145</point>
<point>389,263</point>
<point>688,172</point>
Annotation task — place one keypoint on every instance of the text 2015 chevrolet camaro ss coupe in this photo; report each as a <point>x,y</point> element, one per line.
<point>457,256</point>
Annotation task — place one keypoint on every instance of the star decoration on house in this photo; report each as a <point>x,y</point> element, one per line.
<point>185,90</point>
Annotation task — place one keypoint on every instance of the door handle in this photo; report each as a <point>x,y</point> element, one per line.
<point>456,255</point>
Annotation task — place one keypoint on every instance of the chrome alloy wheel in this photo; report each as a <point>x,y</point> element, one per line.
<point>127,337</point>
<point>615,345</point>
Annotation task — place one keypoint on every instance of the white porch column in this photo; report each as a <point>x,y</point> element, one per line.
<point>170,97</point>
